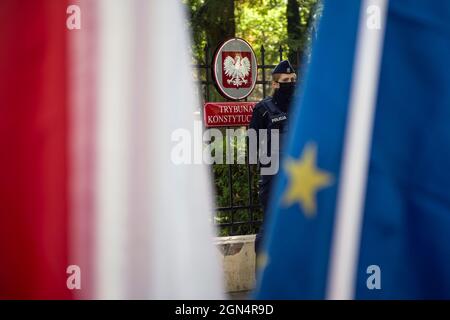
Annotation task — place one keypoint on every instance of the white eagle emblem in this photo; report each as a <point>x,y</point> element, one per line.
<point>237,70</point>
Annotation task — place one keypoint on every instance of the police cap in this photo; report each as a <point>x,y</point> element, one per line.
<point>283,67</point>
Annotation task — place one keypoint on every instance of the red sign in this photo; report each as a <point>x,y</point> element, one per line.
<point>228,114</point>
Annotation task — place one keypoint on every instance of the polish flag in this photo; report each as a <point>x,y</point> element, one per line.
<point>91,205</point>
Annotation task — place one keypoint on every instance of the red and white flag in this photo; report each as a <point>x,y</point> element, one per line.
<point>87,186</point>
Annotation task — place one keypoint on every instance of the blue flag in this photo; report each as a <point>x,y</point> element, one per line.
<point>361,208</point>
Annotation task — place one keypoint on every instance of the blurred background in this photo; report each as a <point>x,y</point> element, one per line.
<point>276,30</point>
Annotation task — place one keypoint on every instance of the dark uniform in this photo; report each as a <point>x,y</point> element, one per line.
<point>270,114</point>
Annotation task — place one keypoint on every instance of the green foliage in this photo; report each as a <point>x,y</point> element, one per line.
<point>260,22</point>
<point>263,22</point>
<point>211,21</point>
<point>197,29</point>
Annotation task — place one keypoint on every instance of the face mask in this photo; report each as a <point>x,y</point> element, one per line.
<point>283,95</point>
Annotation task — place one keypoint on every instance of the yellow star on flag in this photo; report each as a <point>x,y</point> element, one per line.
<point>305,180</point>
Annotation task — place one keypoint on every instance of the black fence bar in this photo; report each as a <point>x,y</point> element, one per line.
<point>208,73</point>
<point>237,207</point>
<point>263,51</point>
<point>249,183</point>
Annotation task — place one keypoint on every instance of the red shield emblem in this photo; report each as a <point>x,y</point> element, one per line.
<point>237,69</point>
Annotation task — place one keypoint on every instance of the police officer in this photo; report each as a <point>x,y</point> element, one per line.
<point>272,113</point>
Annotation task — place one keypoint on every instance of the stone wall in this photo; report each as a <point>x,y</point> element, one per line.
<point>238,260</point>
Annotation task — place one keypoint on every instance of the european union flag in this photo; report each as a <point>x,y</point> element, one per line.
<point>361,208</point>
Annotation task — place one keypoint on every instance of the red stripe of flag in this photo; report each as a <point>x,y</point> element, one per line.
<point>33,150</point>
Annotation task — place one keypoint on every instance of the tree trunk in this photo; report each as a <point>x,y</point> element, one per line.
<point>294,30</point>
<point>219,22</point>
